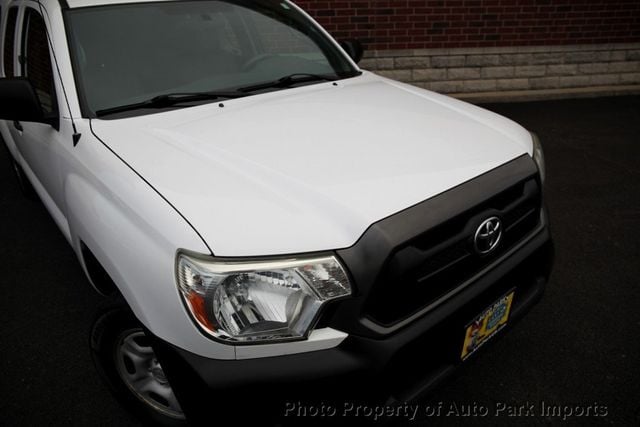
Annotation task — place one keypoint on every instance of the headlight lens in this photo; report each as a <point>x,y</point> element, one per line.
<point>538,156</point>
<point>253,301</point>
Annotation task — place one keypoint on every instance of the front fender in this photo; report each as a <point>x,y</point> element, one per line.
<point>134,233</point>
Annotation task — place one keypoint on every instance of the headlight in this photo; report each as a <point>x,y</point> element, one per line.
<point>253,301</point>
<point>538,156</point>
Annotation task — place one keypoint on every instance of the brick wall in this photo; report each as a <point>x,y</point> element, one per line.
<point>529,72</point>
<point>495,49</point>
<point>414,24</point>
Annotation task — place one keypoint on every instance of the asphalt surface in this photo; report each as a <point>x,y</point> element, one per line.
<point>578,348</point>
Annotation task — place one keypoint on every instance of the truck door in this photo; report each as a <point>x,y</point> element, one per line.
<point>40,144</point>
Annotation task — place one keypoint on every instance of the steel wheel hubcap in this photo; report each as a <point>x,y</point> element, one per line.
<point>141,372</point>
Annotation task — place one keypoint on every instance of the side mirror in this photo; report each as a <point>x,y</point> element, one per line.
<point>19,102</point>
<point>353,48</point>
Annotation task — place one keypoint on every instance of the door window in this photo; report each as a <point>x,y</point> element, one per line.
<point>9,42</point>
<point>36,60</point>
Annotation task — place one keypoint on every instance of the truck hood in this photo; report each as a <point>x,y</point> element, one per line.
<point>310,168</point>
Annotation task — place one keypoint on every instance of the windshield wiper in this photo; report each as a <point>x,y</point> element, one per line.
<point>288,81</point>
<point>170,99</point>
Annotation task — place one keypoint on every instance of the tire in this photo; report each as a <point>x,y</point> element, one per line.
<point>126,361</point>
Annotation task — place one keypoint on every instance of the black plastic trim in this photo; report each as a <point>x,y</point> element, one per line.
<point>367,256</point>
<point>384,329</point>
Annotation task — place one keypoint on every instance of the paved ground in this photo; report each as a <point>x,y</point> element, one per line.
<point>579,346</point>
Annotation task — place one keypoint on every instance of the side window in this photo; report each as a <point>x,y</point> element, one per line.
<point>36,61</point>
<point>9,42</point>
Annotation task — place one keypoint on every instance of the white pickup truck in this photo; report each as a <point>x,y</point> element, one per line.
<point>269,217</point>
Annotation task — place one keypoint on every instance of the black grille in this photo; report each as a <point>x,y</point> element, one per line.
<point>420,271</point>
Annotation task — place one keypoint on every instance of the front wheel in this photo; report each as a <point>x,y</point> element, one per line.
<point>124,357</point>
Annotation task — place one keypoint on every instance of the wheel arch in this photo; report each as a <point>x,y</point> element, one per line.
<point>98,277</point>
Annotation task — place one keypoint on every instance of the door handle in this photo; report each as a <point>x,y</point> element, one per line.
<point>17,125</point>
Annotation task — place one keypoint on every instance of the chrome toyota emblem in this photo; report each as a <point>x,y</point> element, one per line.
<point>488,235</point>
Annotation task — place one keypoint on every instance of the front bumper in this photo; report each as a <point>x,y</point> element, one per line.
<point>398,368</point>
<point>378,363</point>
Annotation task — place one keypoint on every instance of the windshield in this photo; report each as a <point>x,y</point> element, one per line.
<point>129,53</point>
